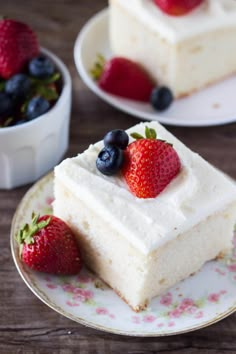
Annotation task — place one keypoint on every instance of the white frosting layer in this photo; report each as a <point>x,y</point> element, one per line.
<point>210,15</point>
<point>197,192</point>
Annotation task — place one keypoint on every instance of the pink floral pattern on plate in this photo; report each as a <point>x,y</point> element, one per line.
<point>199,300</point>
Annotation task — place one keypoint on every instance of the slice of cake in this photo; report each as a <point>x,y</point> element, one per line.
<point>142,246</point>
<point>185,53</point>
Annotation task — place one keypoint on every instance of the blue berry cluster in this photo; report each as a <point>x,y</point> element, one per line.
<point>28,95</point>
<point>110,159</point>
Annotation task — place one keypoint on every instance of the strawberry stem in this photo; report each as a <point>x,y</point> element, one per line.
<point>26,233</point>
<point>97,70</point>
<point>136,136</point>
<point>149,134</point>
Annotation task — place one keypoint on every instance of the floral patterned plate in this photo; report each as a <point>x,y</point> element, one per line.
<point>199,301</point>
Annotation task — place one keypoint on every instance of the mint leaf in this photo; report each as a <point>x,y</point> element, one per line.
<point>49,80</point>
<point>48,93</point>
<point>2,86</point>
<point>24,106</point>
<point>55,77</point>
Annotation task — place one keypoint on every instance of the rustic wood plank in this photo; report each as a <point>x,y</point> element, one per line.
<point>27,326</point>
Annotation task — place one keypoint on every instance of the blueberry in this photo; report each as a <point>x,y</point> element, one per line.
<point>36,107</point>
<point>6,105</point>
<point>117,138</point>
<point>41,67</point>
<point>18,85</point>
<point>161,98</point>
<point>109,160</point>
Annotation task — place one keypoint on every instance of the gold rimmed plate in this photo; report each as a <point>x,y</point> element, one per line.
<point>197,302</point>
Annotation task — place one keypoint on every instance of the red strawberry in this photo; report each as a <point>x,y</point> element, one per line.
<point>123,77</point>
<point>177,7</point>
<point>48,245</point>
<point>150,165</point>
<point>18,44</point>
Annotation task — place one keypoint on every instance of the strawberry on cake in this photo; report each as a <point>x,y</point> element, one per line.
<point>183,44</point>
<point>146,210</point>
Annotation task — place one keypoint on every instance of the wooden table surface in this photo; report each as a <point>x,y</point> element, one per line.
<point>26,324</point>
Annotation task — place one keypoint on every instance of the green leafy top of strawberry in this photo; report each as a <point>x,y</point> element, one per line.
<point>150,133</point>
<point>26,233</point>
<point>46,87</point>
<point>97,70</point>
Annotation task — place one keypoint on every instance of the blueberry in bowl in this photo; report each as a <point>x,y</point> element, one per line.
<point>34,108</point>
<point>41,67</point>
<point>32,92</point>
<point>18,86</point>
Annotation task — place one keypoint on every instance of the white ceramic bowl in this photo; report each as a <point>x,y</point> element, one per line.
<point>30,150</point>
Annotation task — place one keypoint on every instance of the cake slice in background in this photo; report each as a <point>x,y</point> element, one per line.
<point>141,247</point>
<point>185,53</point>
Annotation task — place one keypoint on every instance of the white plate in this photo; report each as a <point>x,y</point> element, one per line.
<point>199,301</point>
<point>215,105</point>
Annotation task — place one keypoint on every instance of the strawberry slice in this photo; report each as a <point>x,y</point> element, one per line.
<point>48,245</point>
<point>123,77</point>
<point>149,165</point>
<point>177,7</point>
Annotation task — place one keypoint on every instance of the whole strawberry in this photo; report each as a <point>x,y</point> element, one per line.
<point>177,7</point>
<point>123,77</point>
<point>18,44</point>
<point>149,165</point>
<point>48,245</point>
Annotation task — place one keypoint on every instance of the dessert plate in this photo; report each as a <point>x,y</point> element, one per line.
<point>215,105</point>
<point>197,302</point>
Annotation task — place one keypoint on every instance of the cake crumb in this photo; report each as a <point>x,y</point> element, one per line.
<point>99,285</point>
<point>221,255</point>
<point>216,105</point>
